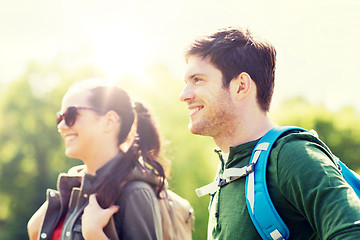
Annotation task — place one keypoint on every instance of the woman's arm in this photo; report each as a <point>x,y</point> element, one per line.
<point>95,218</point>
<point>35,221</point>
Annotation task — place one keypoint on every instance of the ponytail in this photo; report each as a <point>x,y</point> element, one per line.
<point>148,143</point>
<point>145,146</point>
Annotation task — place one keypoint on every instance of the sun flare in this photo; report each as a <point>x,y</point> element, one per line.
<point>120,52</point>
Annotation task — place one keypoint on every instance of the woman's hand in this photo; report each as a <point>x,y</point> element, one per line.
<point>95,218</point>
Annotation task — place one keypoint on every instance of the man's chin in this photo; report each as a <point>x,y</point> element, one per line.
<point>196,130</point>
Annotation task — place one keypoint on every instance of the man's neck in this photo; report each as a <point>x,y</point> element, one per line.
<point>243,133</point>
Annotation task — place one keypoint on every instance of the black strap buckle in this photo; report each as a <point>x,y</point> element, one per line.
<point>250,168</point>
<point>222,182</point>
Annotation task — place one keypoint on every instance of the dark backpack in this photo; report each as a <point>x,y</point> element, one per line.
<point>177,214</point>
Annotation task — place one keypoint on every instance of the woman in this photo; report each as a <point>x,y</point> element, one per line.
<point>118,144</point>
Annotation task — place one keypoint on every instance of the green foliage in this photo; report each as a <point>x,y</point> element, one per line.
<point>339,130</point>
<point>32,153</point>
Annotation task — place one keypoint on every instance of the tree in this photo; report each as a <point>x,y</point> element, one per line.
<point>31,151</point>
<point>339,130</point>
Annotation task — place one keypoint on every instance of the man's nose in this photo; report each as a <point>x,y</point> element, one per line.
<point>186,94</point>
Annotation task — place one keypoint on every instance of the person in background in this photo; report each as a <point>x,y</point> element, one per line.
<point>229,83</point>
<point>118,142</point>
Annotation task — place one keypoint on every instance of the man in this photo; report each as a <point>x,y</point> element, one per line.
<point>229,84</point>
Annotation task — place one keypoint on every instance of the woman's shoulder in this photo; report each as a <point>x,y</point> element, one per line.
<point>136,185</point>
<point>138,193</point>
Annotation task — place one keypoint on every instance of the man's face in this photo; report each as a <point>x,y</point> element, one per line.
<point>210,104</point>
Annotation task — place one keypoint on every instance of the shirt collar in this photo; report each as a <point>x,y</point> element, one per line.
<point>245,148</point>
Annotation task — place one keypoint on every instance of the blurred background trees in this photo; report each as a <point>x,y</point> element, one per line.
<point>32,152</point>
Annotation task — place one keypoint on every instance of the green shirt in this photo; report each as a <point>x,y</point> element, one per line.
<point>305,186</point>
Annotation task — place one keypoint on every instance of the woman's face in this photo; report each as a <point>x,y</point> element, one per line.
<point>85,136</point>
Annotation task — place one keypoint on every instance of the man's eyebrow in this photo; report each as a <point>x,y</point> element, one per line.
<point>195,75</point>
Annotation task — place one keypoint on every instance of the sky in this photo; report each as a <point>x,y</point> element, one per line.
<point>317,41</point>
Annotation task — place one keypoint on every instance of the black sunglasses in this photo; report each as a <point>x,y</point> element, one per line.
<point>69,116</point>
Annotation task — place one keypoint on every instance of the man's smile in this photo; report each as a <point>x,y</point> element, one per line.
<point>194,110</point>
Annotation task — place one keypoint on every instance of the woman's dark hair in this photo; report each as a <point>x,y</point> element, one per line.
<point>146,143</point>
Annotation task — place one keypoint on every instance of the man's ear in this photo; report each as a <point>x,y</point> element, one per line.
<point>241,85</point>
<point>112,120</point>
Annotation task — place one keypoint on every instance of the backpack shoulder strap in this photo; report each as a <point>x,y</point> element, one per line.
<point>261,209</point>
<point>351,177</point>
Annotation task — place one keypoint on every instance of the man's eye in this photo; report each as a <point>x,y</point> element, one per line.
<point>197,79</point>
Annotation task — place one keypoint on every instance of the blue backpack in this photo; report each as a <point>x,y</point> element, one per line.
<point>263,214</point>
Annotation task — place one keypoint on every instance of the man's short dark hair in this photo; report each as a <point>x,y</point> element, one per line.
<point>235,50</point>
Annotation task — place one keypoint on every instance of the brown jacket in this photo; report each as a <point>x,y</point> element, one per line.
<point>138,217</point>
